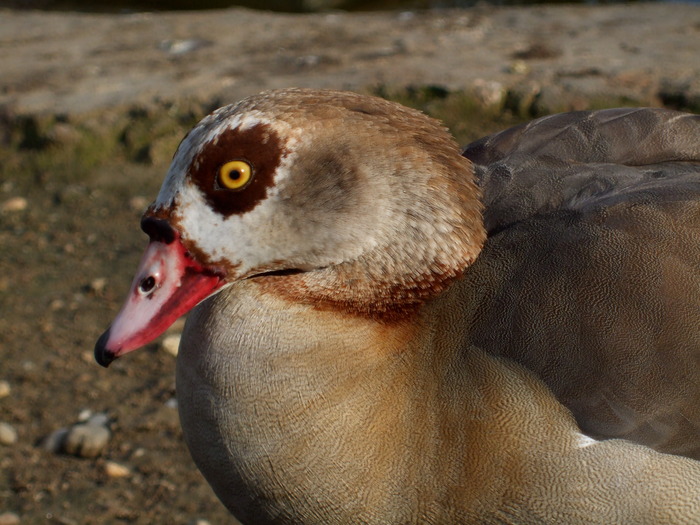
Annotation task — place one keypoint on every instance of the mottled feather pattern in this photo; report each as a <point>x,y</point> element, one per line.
<point>409,334</point>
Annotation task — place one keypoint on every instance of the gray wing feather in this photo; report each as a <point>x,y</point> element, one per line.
<point>590,276</point>
<point>585,159</point>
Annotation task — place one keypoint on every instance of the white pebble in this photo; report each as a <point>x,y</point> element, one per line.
<point>4,389</point>
<point>171,344</point>
<point>116,470</point>
<point>98,285</point>
<point>99,419</point>
<point>9,518</point>
<point>138,203</point>
<point>8,434</point>
<point>171,403</point>
<point>84,415</point>
<point>87,440</point>
<point>57,304</point>
<point>14,204</point>
<point>519,66</point>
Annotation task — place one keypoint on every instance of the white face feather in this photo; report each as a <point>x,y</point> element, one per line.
<point>340,182</point>
<point>265,237</point>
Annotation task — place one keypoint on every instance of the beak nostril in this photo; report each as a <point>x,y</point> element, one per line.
<point>158,229</point>
<point>147,285</point>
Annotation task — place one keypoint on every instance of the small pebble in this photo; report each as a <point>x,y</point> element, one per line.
<point>199,521</point>
<point>171,343</point>
<point>64,134</point>
<point>98,285</point>
<point>86,440</point>
<point>46,326</point>
<point>138,203</point>
<point>116,470</point>
<point>57,304</point>
<point>519,67</point>
<point>181,47</point>
<point>9,518</point>
<point>54,442</point>
<point>99,419</point>
<point>84,415</point>
<point>4,389</point>
<point>14,204</point>
<point>171,403</point>
<point>8,434</point>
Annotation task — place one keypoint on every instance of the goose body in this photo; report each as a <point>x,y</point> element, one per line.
<point>384,337</point>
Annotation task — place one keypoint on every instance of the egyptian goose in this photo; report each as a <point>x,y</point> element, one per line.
<point>358,350</point>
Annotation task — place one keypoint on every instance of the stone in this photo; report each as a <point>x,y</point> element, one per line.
<point>139,203</point>
<point>54,442</point>
<point>343,53</point>
<point>9,518</point>
<point>116,470</point>
<point>8,434</point>
<point>14,204</point>
<point>4,389</point>
<point>99,419</point>
<point>489,92</point>
<point>86,440</point>
<point>171,344</point>
<point>97,285</point>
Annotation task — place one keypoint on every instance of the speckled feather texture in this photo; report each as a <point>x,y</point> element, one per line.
<point>591,274</point>
<point>582,160</point>
<point>368,362</point>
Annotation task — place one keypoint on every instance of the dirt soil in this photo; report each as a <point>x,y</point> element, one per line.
<point>54,254</point>
<point>83,151</point>
<point>558,56</point>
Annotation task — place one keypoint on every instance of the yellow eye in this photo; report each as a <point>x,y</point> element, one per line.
<point>235,174</point>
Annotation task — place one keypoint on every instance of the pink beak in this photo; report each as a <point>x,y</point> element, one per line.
<point>169,282</point>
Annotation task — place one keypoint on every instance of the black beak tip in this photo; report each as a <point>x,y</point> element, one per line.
<point>103,356</point>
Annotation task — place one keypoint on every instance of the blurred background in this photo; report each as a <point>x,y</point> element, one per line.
<point>94,99</point>
<point>289,6</point>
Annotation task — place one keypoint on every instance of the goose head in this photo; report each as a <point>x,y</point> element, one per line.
<point>356,203</point>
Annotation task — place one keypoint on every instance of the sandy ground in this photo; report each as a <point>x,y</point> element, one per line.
<point>69,237</point>
<point>67,63</point>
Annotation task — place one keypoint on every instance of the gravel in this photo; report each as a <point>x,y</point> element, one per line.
<point>9,518</point>
<point>8,434</point>
<point>5,389</point>
<point>116,470</point>
<point>645,51</point>
<point>85,439</point>
<point>171,343</point>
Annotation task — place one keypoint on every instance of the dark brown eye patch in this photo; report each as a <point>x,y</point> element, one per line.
<point>259,145</point>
